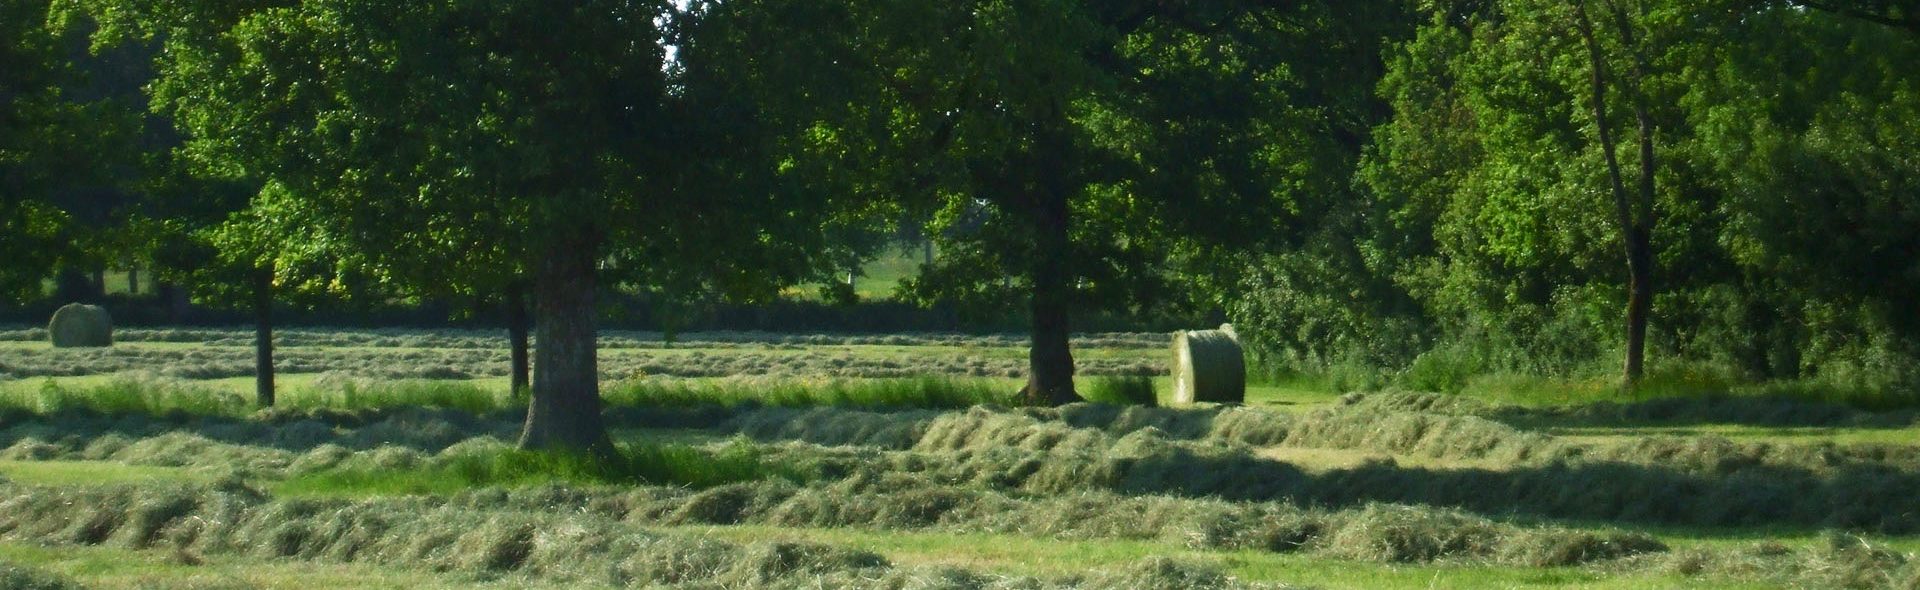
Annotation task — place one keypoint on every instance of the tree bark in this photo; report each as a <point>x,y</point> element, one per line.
<point>263,337</point>
<point>100,283</point>
<point>1050,361</point>
<point>133,280</point>
<point>517,335</point>
<point>1634,219</point>
<point>565,412</point>
<point>177,301</point>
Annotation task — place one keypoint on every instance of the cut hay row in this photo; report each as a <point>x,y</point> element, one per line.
<point>468,363</point>
<point>1375,533</point>
<point>604,536</point>
<point>18,577</point>
<point>1723,409</point>
<point>468,338</point>
<point>1694,484</point>
<point>882,500</point>
<point>1354,427</point>
<point>543,546</point>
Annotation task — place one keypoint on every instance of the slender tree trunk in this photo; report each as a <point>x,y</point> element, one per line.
<point>1634,219</point>
<point>517,335</point>
<point>1050,361</point>
<point>133,280</point>
<point>71,286</point>
<point>926,252</point>
<point>565,413</point>
<point>100,283</point>
<point>178,304</point>
<point>263,337</point>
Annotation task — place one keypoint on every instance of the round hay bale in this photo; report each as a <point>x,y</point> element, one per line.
<point>1229,331</point>
<point>76,325</point>
<point>1208,366</point>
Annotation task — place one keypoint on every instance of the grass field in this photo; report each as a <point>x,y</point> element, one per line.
<point>826,461</point>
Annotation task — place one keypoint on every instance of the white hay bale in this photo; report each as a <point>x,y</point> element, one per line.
<point>1208,366</point>
<point>76,325</point>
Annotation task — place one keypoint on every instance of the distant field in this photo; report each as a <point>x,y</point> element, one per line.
<point>788,461</point>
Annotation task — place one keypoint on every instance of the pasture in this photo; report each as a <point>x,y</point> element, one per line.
<point>781,461</point>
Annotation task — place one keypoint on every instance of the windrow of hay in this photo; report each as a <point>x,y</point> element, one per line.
<point>483,338</point>
<point>1668,480</point>
<point>1763,410</point>
<point>905,502</point>
<point>216,362</point>
<point>462,539</point>
<point>1361,427</point>
<point>1697,481</point>
<point>19,577</point>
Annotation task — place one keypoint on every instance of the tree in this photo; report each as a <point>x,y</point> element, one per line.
<point>1633,212</point>
<point>458,142</point>
<point>63,156</point>
<point>1083,144</point>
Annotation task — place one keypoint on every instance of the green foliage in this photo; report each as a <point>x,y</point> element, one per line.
<point>1482,243</point>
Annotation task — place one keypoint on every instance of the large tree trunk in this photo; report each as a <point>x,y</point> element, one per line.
<point>263,337</point>
<point>1050,361</point>
<point>517,335</point>
<point>565,413</point>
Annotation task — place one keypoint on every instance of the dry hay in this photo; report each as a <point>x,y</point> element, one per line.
<point>77,325</point>
<point>471,538</point>
<point>1208,366</point>
<point>19,577</point>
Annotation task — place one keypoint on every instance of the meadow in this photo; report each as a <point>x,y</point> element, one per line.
<point>751,460</point>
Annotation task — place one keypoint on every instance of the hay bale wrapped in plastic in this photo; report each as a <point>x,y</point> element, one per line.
<point>76,325</point>
<point>1208,366</point>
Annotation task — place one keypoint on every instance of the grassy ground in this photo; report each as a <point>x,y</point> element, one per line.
<point>812,475</point>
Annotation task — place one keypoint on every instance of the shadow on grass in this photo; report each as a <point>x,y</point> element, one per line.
<point>1744,410</point>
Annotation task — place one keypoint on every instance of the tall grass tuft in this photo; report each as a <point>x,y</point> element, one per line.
<point>1136,390</point>
<point>119,397</point>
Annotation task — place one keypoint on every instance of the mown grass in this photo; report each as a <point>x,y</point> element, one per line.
<point>1030,556</point>
<point>128,395</point>
<point>93,472</point>
<point>923,392</point>
<point>632,463</point>
<point>103,567</point>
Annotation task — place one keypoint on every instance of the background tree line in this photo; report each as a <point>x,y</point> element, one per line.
<point>1391,190</point>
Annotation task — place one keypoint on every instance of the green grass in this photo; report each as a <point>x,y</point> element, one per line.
<point>106,567</point>
<point>1121,391</point>
<point>634,463</point>
<point>92,472</point>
